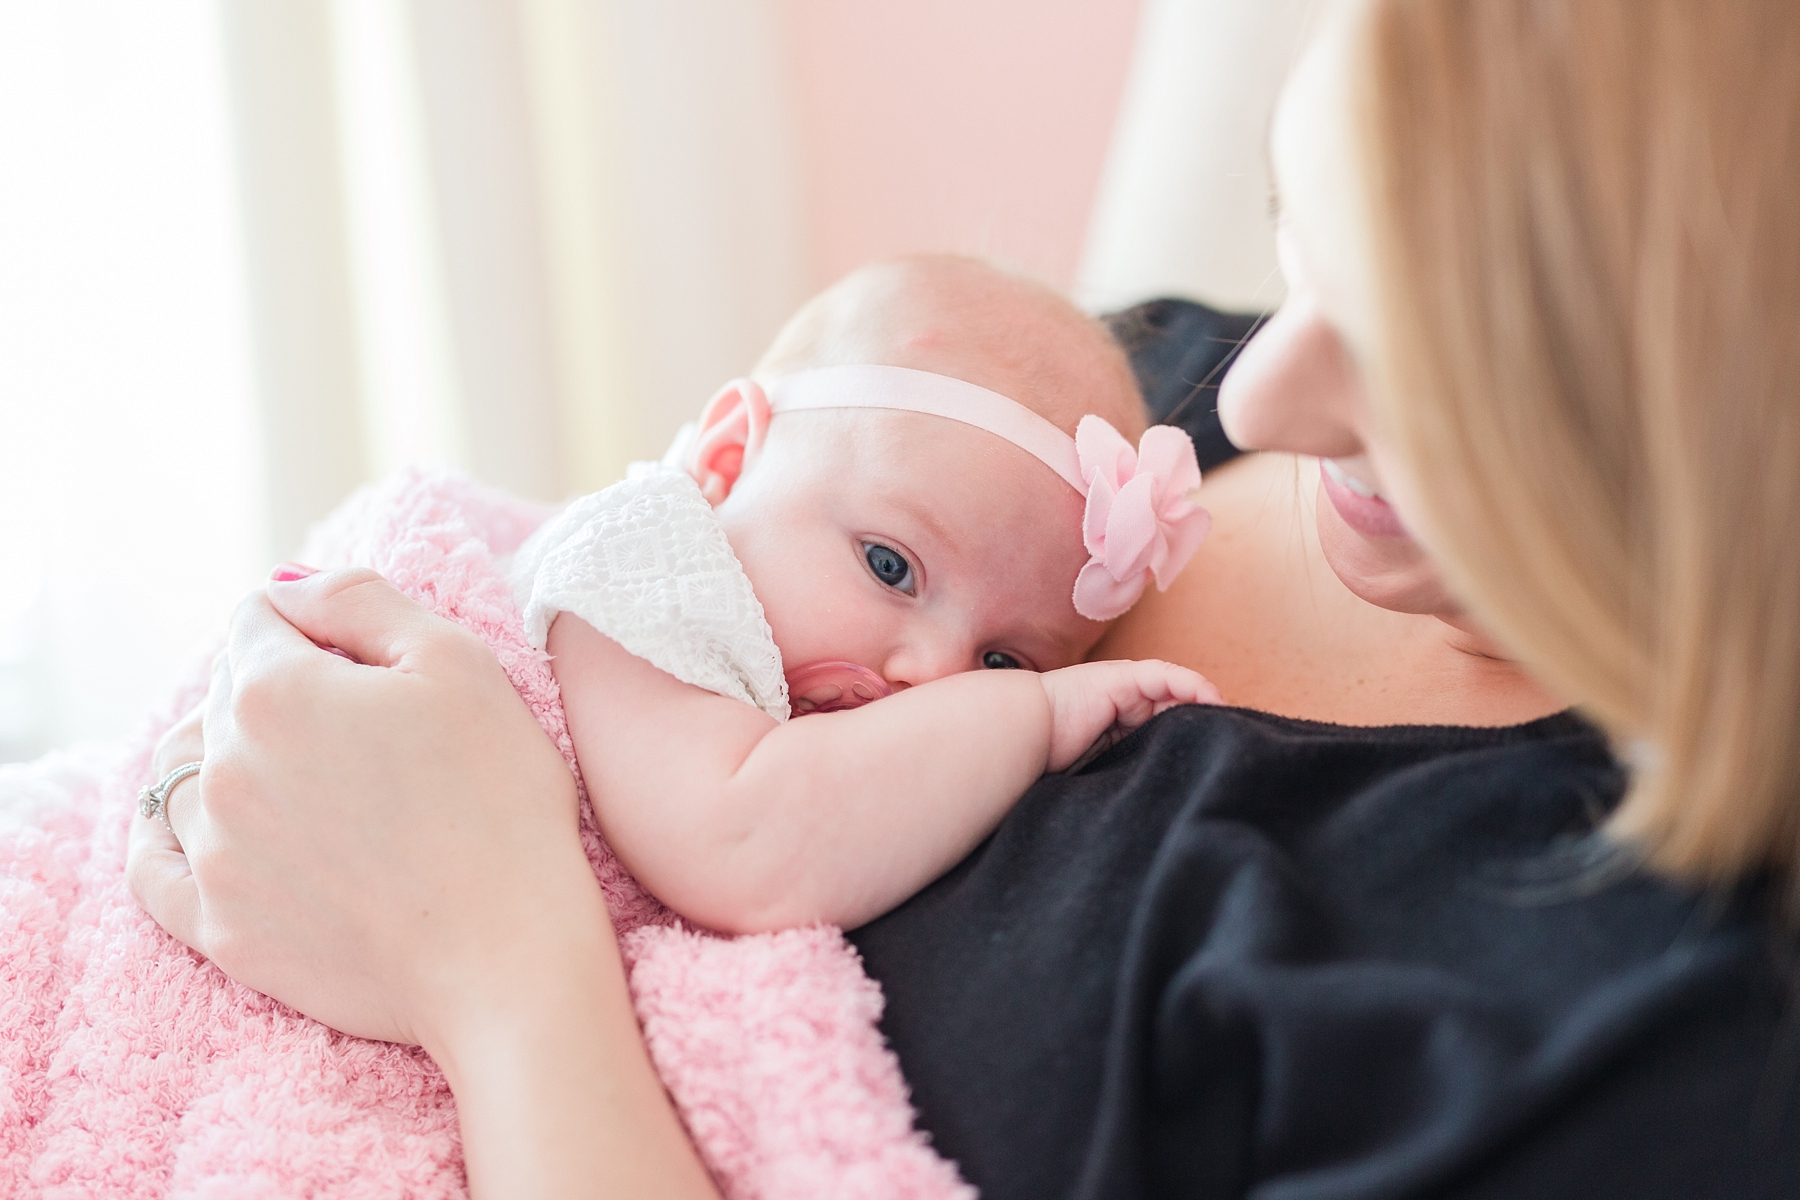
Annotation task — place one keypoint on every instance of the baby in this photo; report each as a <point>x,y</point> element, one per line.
<point>892,500</point>
<point>891,508</point>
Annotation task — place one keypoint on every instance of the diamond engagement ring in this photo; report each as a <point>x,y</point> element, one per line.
<point>153,801</point>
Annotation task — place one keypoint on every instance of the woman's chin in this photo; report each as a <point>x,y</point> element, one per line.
<point>1389,572</point>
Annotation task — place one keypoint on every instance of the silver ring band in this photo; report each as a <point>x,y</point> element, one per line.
<point>153,801</point>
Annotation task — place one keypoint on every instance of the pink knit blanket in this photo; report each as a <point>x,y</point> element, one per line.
<point>130,1066</point>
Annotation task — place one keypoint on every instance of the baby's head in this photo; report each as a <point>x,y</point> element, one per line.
<point>913,545</point>
<point>970,320</point>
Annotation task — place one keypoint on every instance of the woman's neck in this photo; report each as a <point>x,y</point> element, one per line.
<point>1261,614</point>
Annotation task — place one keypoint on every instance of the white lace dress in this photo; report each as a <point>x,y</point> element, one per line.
<point>647,563</point>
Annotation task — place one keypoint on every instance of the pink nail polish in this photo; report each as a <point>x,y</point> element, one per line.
<point>288,572</point>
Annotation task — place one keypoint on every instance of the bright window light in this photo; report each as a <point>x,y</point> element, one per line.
<point>130,480</point>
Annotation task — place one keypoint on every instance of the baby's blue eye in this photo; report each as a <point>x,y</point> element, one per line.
<point>994,660</point>
<point>890,566</point>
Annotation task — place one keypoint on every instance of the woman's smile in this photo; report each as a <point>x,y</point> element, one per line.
<point>1361,505</point>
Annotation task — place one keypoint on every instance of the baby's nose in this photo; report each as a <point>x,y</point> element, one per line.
<point>912,665</point>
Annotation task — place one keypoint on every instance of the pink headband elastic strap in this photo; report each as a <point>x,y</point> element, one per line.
<point>1138,522</point>
<point>907,390</point>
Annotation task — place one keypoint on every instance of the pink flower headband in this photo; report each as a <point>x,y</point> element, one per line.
<point>1139,522</point>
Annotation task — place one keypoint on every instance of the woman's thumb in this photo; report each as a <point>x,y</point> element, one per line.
<point>354,611</point>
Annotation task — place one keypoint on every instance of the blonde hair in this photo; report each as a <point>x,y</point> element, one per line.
<point>1585,249</point>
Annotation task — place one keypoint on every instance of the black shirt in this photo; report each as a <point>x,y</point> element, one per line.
<point>1241,954</point>
<point>1245,955</point>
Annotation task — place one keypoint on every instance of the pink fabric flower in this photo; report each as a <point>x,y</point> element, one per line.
<point>1139,521</point>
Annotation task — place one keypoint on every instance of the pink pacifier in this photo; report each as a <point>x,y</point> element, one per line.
<point>824,687</point>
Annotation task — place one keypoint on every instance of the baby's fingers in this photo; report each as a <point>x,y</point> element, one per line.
<point>1166,685</point>
<point>1095,704</point>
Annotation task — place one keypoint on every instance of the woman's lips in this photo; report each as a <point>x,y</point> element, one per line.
<point>1361,507</point>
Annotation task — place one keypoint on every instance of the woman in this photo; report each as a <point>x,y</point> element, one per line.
<point>1544,297</point>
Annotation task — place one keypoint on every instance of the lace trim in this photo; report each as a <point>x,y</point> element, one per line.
<point>647,563</point>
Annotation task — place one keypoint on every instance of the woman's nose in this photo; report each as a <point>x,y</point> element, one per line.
<point>1294,387</point>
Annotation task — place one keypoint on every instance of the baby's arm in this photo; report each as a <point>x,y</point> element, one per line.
<point>744,824</point>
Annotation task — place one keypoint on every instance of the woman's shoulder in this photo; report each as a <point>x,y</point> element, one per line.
<point>1241,949</point>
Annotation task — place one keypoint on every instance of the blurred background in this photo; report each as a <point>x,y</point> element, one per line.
<point>254,253</point>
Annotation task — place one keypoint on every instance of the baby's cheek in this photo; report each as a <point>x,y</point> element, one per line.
<point>806,619</point>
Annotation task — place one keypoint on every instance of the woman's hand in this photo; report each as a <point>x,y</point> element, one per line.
<point>390,846</point>
<point>405,821</point>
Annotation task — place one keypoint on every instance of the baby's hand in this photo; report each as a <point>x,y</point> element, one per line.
<point>1093,705</point>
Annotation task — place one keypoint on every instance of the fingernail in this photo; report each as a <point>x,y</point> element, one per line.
<point>287,572</point>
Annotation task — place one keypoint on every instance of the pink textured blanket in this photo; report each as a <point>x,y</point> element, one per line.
<point>129,1066</point>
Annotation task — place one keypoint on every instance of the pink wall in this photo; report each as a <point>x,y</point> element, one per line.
<point>970,125</point>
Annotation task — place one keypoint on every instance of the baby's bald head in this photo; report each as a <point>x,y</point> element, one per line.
<point>973,321</point>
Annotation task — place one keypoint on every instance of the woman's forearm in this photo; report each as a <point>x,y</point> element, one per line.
<point>555,1090</point>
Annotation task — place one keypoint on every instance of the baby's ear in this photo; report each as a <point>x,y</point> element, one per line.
<point>732,428</point>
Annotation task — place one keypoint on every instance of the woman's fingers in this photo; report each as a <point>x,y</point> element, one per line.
<point>158,874</point>
<point>184,741</point>
<point>156,867</point>
<point>358,612</point>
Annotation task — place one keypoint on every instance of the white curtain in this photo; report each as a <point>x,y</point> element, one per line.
<point>525,237</point>
<point>254,252</point>
<point>129,460</point>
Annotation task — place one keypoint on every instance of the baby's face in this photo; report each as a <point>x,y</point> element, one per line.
<point>912,545</point>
